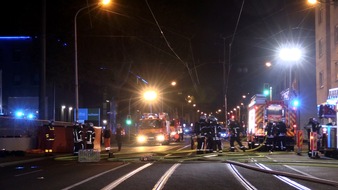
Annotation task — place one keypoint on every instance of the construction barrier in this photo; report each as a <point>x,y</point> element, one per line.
<point>313,141</point>
<point>89,155</point>
<point>299,139</point>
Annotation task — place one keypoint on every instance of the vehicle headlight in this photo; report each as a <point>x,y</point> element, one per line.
<point>141,139</point>
<point>160,138</point>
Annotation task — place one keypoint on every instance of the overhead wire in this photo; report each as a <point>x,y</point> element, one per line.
<point>169,46</point>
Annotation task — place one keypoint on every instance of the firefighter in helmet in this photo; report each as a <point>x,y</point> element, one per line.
<point>49,137</point>
<point>281,135</point>
<point>235,135</point>
<point>77,134</point>
<point>199,132</point>
<point>270,131</point>
<point>90,136</point>
<point>215,133</point>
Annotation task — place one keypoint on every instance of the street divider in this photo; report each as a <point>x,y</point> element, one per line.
<point>89,155</point>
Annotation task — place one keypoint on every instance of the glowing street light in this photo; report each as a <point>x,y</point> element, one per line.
<point>291,55</point>
<point>150,95</point>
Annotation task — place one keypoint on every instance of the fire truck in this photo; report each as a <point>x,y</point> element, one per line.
<point>261,111</point>
<point>154,129</point>
<point>327,113</point>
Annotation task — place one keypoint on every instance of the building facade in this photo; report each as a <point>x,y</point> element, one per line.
<point>326,23</point>
<point>20,81</point>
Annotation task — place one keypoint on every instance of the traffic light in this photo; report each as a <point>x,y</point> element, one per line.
<point>128,120</point>
<point>266,89</point>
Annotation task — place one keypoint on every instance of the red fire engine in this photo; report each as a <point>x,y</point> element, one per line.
<point>261,111</point>
<point>154,129</point>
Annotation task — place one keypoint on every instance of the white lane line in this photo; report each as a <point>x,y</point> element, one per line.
<point>27,173</point>
<point>163,180</point>
<point>123,178</point>
<point>240,178</point>
<point>294,169</point>
<point>95,176</point>
<point>285,179</point>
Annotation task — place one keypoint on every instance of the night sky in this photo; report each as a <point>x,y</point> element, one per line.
<point>165,40</point>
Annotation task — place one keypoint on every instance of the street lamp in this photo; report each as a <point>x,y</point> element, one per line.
<point>70,113</point>
<point>150,95</point>
<point>103,2</point>
<point>63,107</point>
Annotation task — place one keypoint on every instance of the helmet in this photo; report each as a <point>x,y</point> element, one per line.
<point>51,122</point>
<point>212,119</point>
<point>203,118</point>
<point>90,124</point>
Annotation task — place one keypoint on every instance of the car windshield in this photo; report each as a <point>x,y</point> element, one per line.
<point>150,124</point>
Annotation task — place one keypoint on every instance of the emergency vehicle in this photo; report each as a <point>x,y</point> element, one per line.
<point>154,129</point>
<point>261,111</point>
<point>327,114</point>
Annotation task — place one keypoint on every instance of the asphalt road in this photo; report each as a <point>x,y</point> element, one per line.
<point>174,167</point>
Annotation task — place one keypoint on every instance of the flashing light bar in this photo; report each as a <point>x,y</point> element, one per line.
<point>15,38</point>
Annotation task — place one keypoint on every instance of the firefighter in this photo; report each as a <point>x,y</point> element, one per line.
<point>235,132</point>
<point>216,134</point>
<point>90,136</point>
<point>199,128</point>
<point>77,134</point>
<point>313,126</point>
<point>281,135</point>
<point>119,134</point>
<point>49,137</point>
<point>207,133</point>
<point>180,133</point>
<point>270,131</point>
<point>106,135</point>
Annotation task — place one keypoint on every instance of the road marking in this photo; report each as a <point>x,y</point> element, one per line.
<point>240,178</point>
<point>294,169</point>
<point>28,173</point>
<point>285,179</point>
<point>125,177</point>
<point>163,180</point>
<point>95,176</point>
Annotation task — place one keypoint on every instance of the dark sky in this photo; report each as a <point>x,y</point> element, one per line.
<point>163,40</point>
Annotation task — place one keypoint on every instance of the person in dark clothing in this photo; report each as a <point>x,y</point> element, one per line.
<point>235,132</point>
<point>199,131</point>
<point>49,137</point>
<point>77,135</point>
<point>90,136</point>
<point>270,131</point>
<point>215,134</point>
<point>281,135</point>
<point>106,136</point>
<point>119,135</point>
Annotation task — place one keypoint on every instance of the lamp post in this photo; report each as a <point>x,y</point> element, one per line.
<point>104,2</point>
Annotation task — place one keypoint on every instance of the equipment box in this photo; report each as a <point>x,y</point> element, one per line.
<point>89,155</point>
